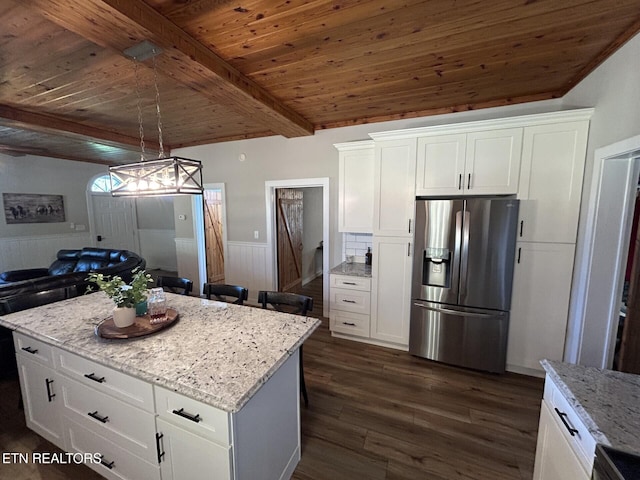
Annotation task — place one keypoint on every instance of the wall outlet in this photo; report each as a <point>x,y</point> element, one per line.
<point>256,234</point>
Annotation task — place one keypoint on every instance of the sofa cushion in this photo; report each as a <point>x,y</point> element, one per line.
<point>25,274</point>
<point>65,262</point>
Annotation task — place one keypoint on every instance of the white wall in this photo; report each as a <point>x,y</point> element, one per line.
<point>614,90</point>
<point>33,174</point>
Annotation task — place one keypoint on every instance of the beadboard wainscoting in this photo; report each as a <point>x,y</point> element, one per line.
<point>37,251</point>
<point>187,258</point>
<point>246,265</point>
<point>157,247</point>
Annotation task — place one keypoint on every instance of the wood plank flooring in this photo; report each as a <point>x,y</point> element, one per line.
<point>374,413</point>
<point>377,413</point>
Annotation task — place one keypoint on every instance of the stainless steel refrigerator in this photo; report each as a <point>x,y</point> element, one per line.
<point>462,274</point>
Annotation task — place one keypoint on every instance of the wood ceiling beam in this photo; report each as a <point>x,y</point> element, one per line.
<point>121,24</point>
<point>38,122</point>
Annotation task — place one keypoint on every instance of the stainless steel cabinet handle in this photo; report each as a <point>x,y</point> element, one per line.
<point>460,182</point>
<point>349,283</point>
<point>409,225</point>
<point>30,350</point>
<point>563,417</point>
<point>348,301</point>
<point>349,323</point>
<point>519,253</point>
<point>409,249</point>
<point>469,182</point>
<point>521,225</point>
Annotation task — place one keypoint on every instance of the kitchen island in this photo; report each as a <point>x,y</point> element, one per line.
<point>214,395</point>
<point>584,406</point>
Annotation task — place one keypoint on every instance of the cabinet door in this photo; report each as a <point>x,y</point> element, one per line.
<point>42,399</point>
<point>551,182</point>
<point>440,165</point>
<point>186,455</point>
<point>391,289</point>
<point>394,188</point>
<point>539,304</point>
<point>355,190</point>
<point>555,460</point>
<point>492,165</point>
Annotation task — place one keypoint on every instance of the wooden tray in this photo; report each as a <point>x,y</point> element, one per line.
<point>141,327</point>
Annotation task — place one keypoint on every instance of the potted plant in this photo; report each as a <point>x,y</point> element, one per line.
<point>125,296</point>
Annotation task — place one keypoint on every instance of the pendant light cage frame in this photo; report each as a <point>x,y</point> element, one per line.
<point>165,176</point>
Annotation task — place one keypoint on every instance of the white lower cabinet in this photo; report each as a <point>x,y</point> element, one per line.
<point>143,431</point>
<point>539,305</point>
<point>391,290</point>
<point>41,399</point>
<point>565,448</point>
<point>349,305</point>
<point>184,454</point>
<point>116,463</point>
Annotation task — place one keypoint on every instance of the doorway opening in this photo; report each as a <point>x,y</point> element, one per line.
<point>298,237</point>
<point>210,231</point>
<point>213,234</point>
<point>601,265</point>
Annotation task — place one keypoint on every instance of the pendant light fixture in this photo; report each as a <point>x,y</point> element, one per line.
<point>166,175</point>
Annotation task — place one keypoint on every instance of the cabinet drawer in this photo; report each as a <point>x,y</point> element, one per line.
<point>351,283</point>
<point>193,415</point>
<point>117,463</point>
<point>33,349</point>
<point>105,379</point>
<point>349,323</point>
<point>582,442</point>
<point>350,301</point>
<point>108,417</point>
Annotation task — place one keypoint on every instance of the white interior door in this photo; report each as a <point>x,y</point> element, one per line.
<point>115,222</point>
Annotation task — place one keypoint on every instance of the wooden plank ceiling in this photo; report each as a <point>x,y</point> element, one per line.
<point>245,69</point>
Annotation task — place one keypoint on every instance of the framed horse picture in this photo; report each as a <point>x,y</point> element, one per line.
<point>33,208</point>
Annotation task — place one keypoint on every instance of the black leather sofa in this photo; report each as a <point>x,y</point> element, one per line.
<point>65,278</point>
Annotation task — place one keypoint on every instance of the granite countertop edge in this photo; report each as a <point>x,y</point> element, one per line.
<point>607,401</point>
<point>355,269</point>
<point>557,379</point>
<point>172,384</point>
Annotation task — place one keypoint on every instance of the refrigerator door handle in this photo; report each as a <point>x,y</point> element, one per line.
<point>453,312</point>
<point>455,276</point>
<point>464,260</point>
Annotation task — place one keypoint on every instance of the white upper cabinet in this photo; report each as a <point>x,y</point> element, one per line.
<point>492,166</point>
<point>551,181</point>
<point>355,186</point>
<point>394,187</point>
<point>476,163</point>
<point>440,164</point>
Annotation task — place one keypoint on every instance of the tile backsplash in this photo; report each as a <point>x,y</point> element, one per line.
<point>356,244</point>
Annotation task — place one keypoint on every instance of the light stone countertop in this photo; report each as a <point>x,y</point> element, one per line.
<point>354,269</point>
<point>608,402</point>
<point>217,353</point>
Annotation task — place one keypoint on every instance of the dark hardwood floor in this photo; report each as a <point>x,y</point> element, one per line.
<point>374,413</point>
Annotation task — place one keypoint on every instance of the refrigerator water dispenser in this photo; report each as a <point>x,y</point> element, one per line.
<point>436,267</point>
